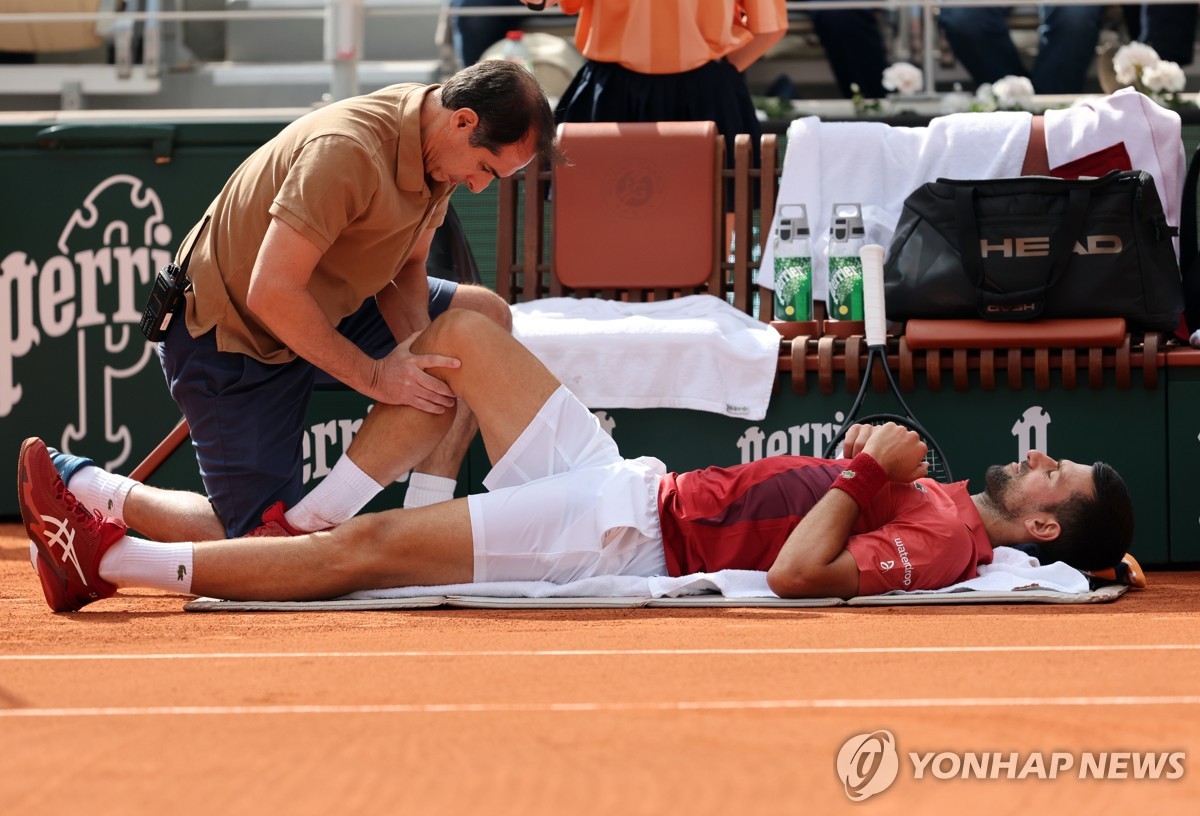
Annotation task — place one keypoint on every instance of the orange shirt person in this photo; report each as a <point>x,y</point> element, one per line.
<point>674,36</point>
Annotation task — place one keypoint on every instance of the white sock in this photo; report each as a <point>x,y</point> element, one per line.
<point>100,490</point>
<point>424,489</point>
<point>338,497</point>
<point>132,562</point>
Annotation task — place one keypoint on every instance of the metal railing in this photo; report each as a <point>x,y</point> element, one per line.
<point>344,22</point>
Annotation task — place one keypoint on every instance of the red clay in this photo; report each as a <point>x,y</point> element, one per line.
<point>688,711</point>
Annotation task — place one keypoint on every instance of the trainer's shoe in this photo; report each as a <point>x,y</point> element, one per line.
<point>70,540</point>
<point>274,524</point>
<point>68,464</point>
<point>1128,572</point>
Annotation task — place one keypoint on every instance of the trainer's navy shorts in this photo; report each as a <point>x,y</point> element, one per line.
<point>247,418</point>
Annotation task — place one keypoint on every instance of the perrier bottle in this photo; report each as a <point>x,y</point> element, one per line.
<point>793,264</point>
<point>846,235</point>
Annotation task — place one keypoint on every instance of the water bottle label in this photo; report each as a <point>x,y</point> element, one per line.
<point>793,288</point>
<point>845,288</point>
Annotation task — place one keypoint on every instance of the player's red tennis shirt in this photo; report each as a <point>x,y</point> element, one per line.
<point>922,535</point>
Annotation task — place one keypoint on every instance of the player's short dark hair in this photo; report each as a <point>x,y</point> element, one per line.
<point>1095,531</point>
<point>510,104</point>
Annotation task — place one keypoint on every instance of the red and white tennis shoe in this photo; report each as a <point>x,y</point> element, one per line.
<point>274,524</point>
<point>70,540</point>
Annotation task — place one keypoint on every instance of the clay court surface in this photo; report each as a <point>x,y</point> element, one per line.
<point>133,706</point>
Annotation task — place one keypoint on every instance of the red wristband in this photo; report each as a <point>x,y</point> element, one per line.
<point>862,480</point>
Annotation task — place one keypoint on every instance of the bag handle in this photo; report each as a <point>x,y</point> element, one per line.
<point>995,305</point>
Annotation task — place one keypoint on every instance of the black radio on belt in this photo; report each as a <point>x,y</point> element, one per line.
<point>166,298</point>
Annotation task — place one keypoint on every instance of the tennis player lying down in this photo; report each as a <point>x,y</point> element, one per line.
<point>564,505</point>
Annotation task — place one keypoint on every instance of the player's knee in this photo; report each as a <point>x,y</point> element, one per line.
<point>485,302</point>
<point>456,332</point>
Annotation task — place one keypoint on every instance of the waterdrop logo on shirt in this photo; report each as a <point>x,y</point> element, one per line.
<point>868,764</point>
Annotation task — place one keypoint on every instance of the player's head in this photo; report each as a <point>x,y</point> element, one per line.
<point>510,104</point>
<point>1097,529</point>
<point>1079,514</point>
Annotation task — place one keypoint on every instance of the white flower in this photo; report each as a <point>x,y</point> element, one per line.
<point>1013,91</point>
<point>904,78</point>
<point>956,101</point>
<point>1165,77</point>
<point>1131,60</point>
<point>985,100</point>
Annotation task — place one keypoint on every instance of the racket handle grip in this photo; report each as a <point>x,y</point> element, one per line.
<point>874,315</point>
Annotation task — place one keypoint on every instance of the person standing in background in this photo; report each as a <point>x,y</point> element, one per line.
<point>473,34</point>
<point>1168,28</point>
<point>855,49</point>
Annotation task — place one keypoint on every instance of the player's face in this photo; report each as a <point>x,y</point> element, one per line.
<point>1037,483</point>
<point>450,156</point>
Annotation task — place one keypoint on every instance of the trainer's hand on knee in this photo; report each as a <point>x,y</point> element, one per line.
<point>402,378</point>
<point>899,451</point>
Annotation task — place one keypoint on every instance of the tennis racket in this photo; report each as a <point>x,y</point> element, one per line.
<point>876,325</point>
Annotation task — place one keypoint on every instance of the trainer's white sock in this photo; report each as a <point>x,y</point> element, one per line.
<point>100,490</point>
<point>338,497</point>
<point>424,489</point>
<point>133,562</point>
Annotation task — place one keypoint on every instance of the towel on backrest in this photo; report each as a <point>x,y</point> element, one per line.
<point>693,352</point>
<point>1010,569</point>
<point>1150,134</point>
<point>876,166</point>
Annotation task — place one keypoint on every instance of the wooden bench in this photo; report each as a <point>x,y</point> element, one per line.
<point>543,211</point>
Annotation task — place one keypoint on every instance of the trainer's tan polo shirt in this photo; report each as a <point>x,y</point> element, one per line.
<point>350,178</point>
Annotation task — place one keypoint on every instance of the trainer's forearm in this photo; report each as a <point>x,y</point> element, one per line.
<point>296,319</point>
<point>404,302</point>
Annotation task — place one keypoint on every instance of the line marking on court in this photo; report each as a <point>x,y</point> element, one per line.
<point>607,708</point>
<point>862,650</point>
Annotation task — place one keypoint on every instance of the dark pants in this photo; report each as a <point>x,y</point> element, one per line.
<point>1067,35</point>
<point>475,34</point>
<point>247,418</point>
<point>1169,29</point>
<point>854,48</point>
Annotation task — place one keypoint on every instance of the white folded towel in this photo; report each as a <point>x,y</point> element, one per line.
<point>730,583</point>
<point>694,352</point>
<point>1010,569</point>
<point>876,166</point>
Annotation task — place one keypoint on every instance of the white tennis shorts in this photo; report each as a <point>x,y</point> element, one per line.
<point>563,505</point>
